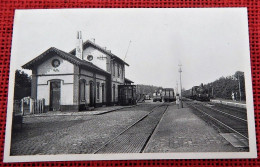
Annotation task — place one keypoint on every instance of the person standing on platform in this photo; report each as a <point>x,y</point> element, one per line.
<point>233,96</point>
<point>178,100</point>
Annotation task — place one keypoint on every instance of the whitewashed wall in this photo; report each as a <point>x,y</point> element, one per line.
<point>95,53</point>
<point>43,82</point>
<point>47,68</point>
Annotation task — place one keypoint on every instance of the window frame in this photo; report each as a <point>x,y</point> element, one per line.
<point>98,90</point>
<point>82,82</point>
<point>118,72</point>
<point>114,69</point>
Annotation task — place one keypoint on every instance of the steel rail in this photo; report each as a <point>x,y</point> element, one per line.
<point>228,127</point>
<point>227,114</point>
<point>123,131</point>
<point>241,110</point>
<point>146,142</point>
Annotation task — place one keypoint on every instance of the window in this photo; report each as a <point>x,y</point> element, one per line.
<point>114,93</point>
<point>122,73</point>
<point>114,68</point>
<point>98,90</point>
<point>119,70</point>
<point>82,90</point>
<point>103,92</point>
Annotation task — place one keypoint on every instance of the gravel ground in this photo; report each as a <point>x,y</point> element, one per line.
<point>72,134</point>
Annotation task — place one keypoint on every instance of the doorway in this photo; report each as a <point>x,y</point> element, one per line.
<point>91,94</point>
<point>103,93</point>
<point>55,95</point>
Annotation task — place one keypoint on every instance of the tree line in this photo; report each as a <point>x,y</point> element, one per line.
<point>225,86</point>
<point>146,89</point>
<point>22,85</point>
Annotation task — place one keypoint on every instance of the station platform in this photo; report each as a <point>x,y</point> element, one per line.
<point>229,103</point>
<point>180,130</point>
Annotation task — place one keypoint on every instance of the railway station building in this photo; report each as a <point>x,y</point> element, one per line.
<point>84,78</point>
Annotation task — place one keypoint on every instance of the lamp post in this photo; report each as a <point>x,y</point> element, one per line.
<point>181,105</point>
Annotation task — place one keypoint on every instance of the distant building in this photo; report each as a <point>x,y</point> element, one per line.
<point>88,76</point>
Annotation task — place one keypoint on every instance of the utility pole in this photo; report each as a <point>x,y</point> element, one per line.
<point>212,91</point>
<point>177,91</point>
<point>127,49</point>
<point>181,105</point>
<point>239,87</point>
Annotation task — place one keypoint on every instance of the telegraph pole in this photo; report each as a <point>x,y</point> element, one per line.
<point>181,105</point>
<point>127,49</point>
<point>239,87</point>
<point>177,87</point>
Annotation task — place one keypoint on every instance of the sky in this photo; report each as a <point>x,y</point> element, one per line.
<point>209,42</point>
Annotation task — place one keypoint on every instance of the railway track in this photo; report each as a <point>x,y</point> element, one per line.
<point>231,113</point>
<point>230,109</point>
<point>135,137</point>
<point>225,122</point>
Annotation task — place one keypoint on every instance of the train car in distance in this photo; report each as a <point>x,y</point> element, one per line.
<point>147,97</point>
<point>157,97</point>
<point>199,93</point>
<point>168,95</point>
<point>127,95</point>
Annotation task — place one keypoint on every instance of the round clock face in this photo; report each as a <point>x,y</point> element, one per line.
<point>90,57</point>
<point>55,63</point>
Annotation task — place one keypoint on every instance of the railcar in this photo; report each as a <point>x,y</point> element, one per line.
<point>168,95</point>
<point>147,97</point>
<point>199,93</point>
<point>157,97</point>
<point>127,95</point>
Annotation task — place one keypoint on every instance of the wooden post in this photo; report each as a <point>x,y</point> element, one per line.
<point>37,107</point>
<point>40,106</point>
<point>43,105</point>
<point>31,106</point>
<point>22,108</point>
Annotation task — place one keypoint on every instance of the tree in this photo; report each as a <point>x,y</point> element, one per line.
<point>22,86</point>
<point>224,86</point>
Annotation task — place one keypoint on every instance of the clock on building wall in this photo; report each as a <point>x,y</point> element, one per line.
<point>90,57</point>
<point>55,63</point>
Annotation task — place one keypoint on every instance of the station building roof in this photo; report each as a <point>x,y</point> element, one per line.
<point>128,80</point>
<point>94,45</point>
<point>67,56</point>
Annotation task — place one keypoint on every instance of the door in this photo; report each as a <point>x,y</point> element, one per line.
<point>91,94</point>
<point>114,93</point>
<point>55,95</point>
<point>103,93</point>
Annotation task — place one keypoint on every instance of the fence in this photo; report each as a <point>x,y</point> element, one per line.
<point>28,106</point>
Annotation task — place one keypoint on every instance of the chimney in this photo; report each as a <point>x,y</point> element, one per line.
<point>79,46</point>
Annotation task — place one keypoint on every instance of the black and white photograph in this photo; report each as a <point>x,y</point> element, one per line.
<point>119,84</point>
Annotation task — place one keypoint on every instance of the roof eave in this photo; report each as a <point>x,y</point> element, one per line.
<point>94,69</point>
